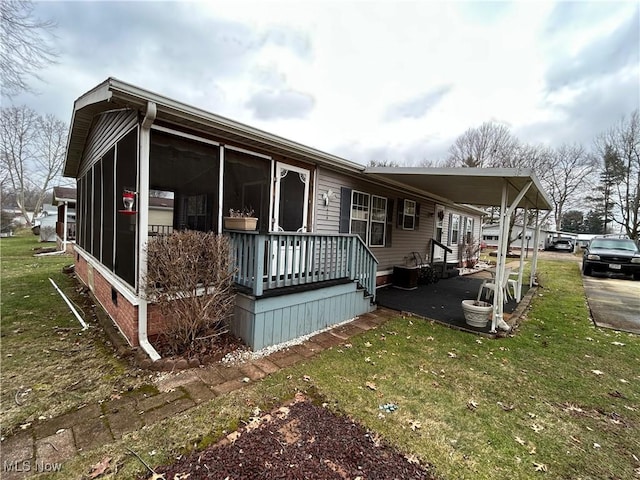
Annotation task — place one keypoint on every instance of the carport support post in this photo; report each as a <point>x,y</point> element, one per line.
<point>505,214</point>
<point>534,260</point>
<point>498,299</point>
<point>525,220</point>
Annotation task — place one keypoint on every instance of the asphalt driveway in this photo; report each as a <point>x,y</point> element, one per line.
<point>614,302</point>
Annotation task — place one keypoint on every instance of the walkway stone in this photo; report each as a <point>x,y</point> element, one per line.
<point>47,444</point>
<point>91,433</point>
<point>167,410</point>
<point>55,448</point>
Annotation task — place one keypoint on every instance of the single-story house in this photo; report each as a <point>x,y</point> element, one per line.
<point>64,198</point>
<point>44,225</point>
<point>329,230</point>
<point>491,235</point>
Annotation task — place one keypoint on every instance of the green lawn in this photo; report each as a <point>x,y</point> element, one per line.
<point>559,399</point>
<point>49,365</point>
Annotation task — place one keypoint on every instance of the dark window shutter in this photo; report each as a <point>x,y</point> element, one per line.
<point>389,226</point>
<point>449,229</point>
<point>345,209</point>
<point>417,224</point>
<point>400,218</point>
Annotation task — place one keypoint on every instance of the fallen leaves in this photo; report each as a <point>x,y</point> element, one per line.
<point>100,468</point>
<point>540,467</point>
<point>537,428</point>
<point>472,405</point>
<point>371,386</point>
<point>415,425</point>
<point>505,407</point>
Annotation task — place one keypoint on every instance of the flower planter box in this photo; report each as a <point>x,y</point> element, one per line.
<point>476,313</point>
<point>240,223</point>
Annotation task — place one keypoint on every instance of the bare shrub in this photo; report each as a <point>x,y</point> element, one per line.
<point>190,278</point>
<point>469,252</point>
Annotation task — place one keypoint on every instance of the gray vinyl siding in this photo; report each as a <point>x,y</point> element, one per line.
<point>403,242</point>
<point>107,129</point>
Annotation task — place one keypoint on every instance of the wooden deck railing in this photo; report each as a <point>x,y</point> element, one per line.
<point>270,261</point>
<point>160,229</point>
<point>71,230</point>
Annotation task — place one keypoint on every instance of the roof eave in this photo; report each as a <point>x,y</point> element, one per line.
<point>138,97</point>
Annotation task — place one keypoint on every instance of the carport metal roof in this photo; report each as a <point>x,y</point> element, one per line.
<point>475,186</point>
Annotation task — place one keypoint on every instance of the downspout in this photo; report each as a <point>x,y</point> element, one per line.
<point>64,235</point>
<point>143,228</point>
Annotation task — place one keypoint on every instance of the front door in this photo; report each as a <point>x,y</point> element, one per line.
<point>291,199</point>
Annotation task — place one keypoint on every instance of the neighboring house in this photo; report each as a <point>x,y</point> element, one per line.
<point>64,198</point>
<point>329,230</point>
<point>160,215</point>
<point>490,236</point>
<point>44,225</point>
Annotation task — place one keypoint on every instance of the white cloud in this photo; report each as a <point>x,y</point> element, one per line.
<point>358,79</point>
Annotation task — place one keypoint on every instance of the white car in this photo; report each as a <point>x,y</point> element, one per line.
<point>563,246</point>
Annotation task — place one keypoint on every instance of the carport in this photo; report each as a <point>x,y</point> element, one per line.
<point>506,188</point>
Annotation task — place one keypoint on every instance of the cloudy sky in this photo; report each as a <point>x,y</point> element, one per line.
<point>362,80</point>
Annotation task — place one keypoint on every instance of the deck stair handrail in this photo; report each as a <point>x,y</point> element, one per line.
<point>268,261</point>
<point>446,249</point>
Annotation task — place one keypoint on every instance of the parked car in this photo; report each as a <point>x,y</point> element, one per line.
<point>617,255</point>
<point>563,245</point>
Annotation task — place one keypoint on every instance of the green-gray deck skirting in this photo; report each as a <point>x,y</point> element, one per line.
<point>263,322</point>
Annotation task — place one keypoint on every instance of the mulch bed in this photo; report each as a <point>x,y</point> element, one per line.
<point>299,441</point>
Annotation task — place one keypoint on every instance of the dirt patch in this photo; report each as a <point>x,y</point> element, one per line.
<point>302,440</point>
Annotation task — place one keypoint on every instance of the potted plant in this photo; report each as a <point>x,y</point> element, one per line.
<point>241,219</point>
<point>476,312</point>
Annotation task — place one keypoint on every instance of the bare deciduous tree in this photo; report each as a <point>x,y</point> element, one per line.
<point>623,141</point>
<point>489,145</point>
<point>564,172</point>
<point>25,45</point>
<point>383,163</point>
<point>31,154</point>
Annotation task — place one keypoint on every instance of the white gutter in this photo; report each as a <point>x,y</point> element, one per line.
<point>64,236</point>
<point>143,228</point>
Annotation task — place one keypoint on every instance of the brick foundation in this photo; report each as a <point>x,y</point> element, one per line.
<point>122,312</point>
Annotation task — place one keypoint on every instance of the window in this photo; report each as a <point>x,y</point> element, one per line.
<point>368,215</point>
<point>378,221</point>
<point>469,231</point>
<point>360,214</point>
<point>439,224</point>
<point>455,229</point>
<point>409,215</point>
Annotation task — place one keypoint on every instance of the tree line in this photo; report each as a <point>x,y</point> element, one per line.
<point>593,189</point>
